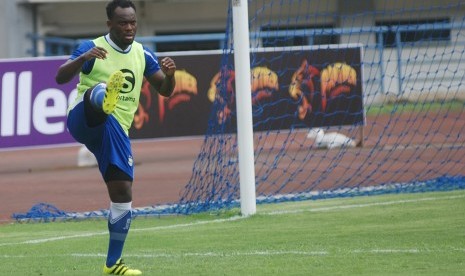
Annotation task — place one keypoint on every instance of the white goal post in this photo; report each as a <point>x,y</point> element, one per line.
<point>244,107</point>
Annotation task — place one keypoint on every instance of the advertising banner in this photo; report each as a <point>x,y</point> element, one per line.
<point>301,87</point>
<point>32,106</point>
<point>291,88</point>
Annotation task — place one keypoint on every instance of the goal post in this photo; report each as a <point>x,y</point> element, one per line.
<point>244,107</point>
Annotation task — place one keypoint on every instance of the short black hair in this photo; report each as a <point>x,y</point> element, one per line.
<point>111,7</point>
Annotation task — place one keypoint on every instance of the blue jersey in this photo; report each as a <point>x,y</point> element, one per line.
<point>151,61</point>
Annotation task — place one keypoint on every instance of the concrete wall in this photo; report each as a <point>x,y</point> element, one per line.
<point>85,18</point>
<point>16,22</point>
<point>75,18</point>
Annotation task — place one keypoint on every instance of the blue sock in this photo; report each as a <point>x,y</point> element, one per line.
<point>96,96</point>
<point>119,222</point>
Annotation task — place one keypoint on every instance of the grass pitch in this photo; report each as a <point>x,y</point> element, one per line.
<point>402,234</point>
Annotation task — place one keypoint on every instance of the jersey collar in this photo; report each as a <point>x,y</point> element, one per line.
<point>116,47</point>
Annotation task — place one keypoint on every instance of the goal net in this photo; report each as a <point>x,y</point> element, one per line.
<point>349,98</point>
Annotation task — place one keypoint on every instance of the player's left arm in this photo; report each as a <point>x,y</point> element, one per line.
<point>160,75</point>
<point>165,77</point>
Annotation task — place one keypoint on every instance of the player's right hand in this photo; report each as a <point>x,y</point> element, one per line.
<point>96,52</point>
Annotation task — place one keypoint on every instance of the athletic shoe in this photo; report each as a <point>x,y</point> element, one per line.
<point>120,269</point>
<point>114,86</point>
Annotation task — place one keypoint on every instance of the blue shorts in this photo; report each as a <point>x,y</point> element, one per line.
<point>108,142</point>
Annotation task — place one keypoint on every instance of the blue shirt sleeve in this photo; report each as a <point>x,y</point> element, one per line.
<point>81,49</point>
<point>151,62</point>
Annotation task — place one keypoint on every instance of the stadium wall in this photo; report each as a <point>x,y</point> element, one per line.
<point>81,19</point>
<point>16,22</point>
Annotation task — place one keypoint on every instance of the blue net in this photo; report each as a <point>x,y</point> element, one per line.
<point>348,99</point>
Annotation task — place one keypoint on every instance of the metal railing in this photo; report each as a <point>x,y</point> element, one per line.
<point>56,46</point>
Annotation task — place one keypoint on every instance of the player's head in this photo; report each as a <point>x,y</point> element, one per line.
<point>122,22</point>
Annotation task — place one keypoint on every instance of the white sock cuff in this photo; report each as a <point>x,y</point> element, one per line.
<point>119,209</point>
<point>98,88</point>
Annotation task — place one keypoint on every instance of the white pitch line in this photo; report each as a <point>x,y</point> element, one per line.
<point>247,253</point>
<point>37,241</point>
<point>391,251</point>
<point>188,224</point>
<point>321,209</point>
<point>215,254</point>
<point>178,255</point>
<point>351,206</point>
<point>55,239</point>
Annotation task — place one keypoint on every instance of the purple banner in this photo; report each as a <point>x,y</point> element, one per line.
<point>32,106</point>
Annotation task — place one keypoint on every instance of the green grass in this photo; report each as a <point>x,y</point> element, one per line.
<point>401,107</point>
<point>403,234</point>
